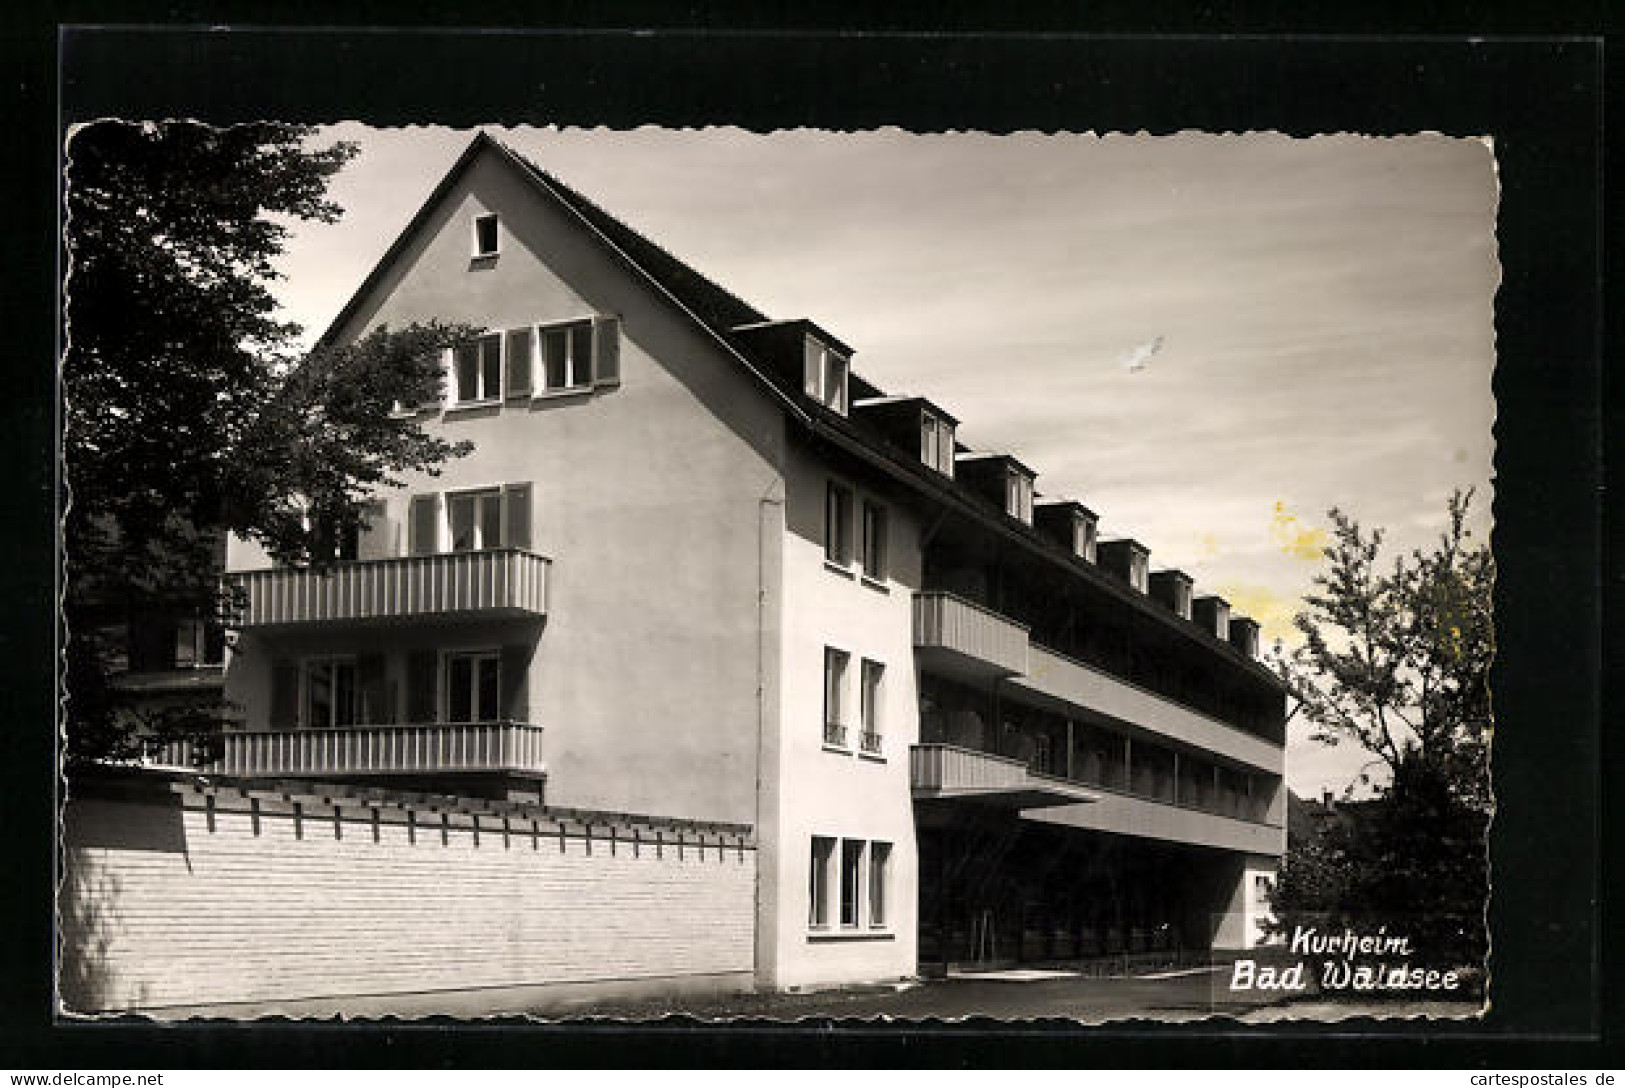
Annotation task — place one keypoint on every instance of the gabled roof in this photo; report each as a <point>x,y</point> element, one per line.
<point>719,313</point>
<point>714,308</point>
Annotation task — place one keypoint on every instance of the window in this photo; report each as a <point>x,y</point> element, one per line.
<point>330,691</point>
<point>823,853</point>
<point>937,443</point>
<point>485,236</point>
<point>835,662</point>
<point>1018,496</point>
<point>838,524</point>
<point>1041,755</point>
<point>874,540</point>
<point>476,520</point>
<point>1083,537</point>
<point>566,355</point>
<point>851,874</point>
<point>1138,564</point>
<point>873,673</point>
<point>879,874</point>
<point>492,517</point>
<point>199,642</point>
<point>824,375</point>
<point>331,541</point>
<point>478,369</point>
<point>473,687</point>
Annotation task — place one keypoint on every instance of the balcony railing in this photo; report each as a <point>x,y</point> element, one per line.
<point>946,772</point>
<point>835,734</point>
<point>437,748</point>
<point>869,742</point>
<point>972,636</point>
<point>502,582</point>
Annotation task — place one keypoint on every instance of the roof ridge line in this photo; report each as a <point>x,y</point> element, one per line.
<point>575,196</point>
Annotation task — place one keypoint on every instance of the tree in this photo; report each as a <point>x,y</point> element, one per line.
<point>1398,662</point>
<point>186,413</point>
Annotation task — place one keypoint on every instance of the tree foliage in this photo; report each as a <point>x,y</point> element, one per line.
<point>1397,660</point>
<point>187,412</point>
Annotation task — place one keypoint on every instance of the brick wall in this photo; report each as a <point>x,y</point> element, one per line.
<point>175,894</point>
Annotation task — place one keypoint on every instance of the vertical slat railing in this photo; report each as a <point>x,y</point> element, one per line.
<point>503,579</point>
<point>382,749</point>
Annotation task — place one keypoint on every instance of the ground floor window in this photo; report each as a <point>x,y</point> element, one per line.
<point>851,872</point>
<point>823,852</point>
<point>879,874</point>
<point>858,872</point>
<point>473,686</point>
<point>330,693</point>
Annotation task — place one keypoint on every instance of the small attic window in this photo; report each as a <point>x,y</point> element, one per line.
<point>485,236</point>
<point>1018,495</point>
<point>824,376</point>
<point>1083,537</point>
<point>937,443</point>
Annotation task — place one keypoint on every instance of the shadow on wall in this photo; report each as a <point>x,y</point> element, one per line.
<point>90,898</point>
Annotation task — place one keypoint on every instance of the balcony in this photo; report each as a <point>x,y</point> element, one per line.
<point>1145,817</point>
<point>944,772</point>
<point>959,638</point>
<point>1075,684</point>
<point>503,583</point>
<point>440,748</point>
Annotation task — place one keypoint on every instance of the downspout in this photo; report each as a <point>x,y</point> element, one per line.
<point>763,504</point>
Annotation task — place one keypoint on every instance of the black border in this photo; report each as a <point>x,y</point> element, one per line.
<point>1541,100</point>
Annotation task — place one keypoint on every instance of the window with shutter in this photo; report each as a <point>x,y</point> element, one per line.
<point>567,355</point>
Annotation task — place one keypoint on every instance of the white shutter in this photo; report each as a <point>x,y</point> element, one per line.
<point>606,351</point>
<point>376,539</point>
<point>518,361</point>
<point>516,516</point>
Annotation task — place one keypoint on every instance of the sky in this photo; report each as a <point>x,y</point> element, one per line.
<point>1209,339</point>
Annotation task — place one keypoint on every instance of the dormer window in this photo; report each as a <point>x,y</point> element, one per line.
<point>485,236</point>
<point>1083,537</point>
<point>937,443</point>
<point>1173,589</point>
<point>824,376</point>
<point>1128,559</point>
<point>1018,496</point>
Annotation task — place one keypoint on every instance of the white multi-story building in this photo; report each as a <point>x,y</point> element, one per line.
<point>696,567</point>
